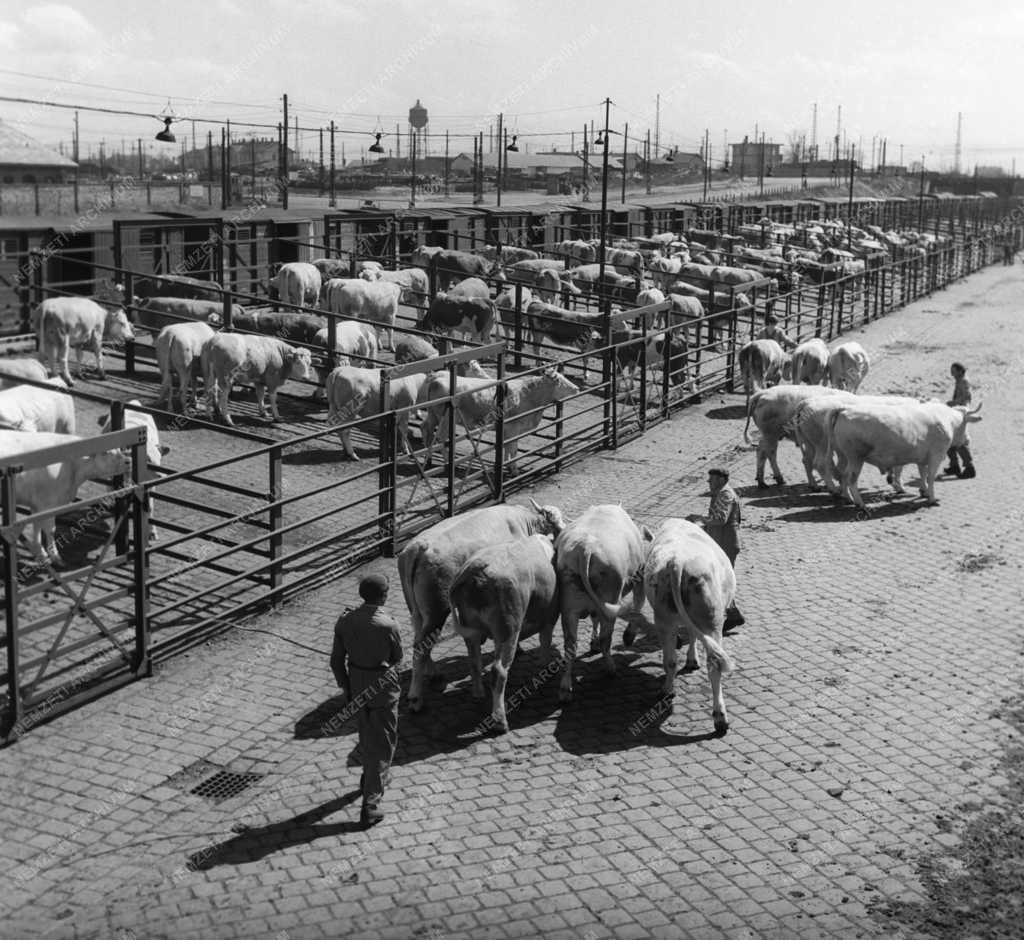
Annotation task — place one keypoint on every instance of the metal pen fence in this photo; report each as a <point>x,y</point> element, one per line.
<point>255,527</point>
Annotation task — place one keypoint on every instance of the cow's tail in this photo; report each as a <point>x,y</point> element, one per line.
<point>332,408</point>
<point>611,611</point>
<point>408,562</point>
<point>714,649</point>
<point>459,618</point>
<point>830,441</point>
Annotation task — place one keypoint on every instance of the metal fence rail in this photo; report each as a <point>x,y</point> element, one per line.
<point>228,548</point>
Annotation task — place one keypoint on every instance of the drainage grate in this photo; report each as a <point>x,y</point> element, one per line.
<point>225,784</point>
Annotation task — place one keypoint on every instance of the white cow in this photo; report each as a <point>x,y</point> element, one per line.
<point>56,484</point>
<point>78,323</point>
<point>599,557</point>
<point>262,361</point>
<point>505,305</point>
<point>691,584</point>
<point>762,363</point>
<point>848,366</point>
<point>178,352</point>
<point>773,411</point>
<point>373,301</point>
<point>505,592</point>
<point>353,393</point>
<point>810,362</point>
<point>888,437</point>
<point>12,371</point>
<point>429,563</point>
<point>27,408</point>
<point>526,397</point>
<point>155,451</point>
<point>352,340</point>
<point>414,282</point>
<point>298,283</point>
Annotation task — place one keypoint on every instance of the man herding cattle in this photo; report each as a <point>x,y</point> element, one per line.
<point>722,523</point>
<point>367,648</point>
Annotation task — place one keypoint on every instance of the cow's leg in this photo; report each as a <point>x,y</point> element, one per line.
<point>65,371</point>
<point>46,536</point>
<point>274,413</point>
<point>222,401</point>
<point>762,455</point>
<point>422,663</point>
<point>427,435</point>
<point>929,471</point>
<point>476,669</point>
<point>97,348</point>
<point>850,478</point>
<point>773,457</point>
<point>570,624</point>
<point>504,654</point>
<point>718,711</point>
<point>808,454</point>
<point>346,442</point>
<point>607,625</point>
<point>897,483</point>
<point>667,633</point>
<point>261,399</point>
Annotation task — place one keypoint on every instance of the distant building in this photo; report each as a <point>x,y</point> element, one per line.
<point>25,160</point>
<point>746,157</point>
<point>990,171</point>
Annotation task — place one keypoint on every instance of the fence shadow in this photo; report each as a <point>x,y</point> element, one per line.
<point>727,413</point>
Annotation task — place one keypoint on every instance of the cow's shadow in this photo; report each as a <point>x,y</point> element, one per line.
<point>893,505</point>
<point>727,413</point>
<point>450,720</point>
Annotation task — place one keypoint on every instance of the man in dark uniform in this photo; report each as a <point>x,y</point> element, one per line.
<point>722,523</point>
<point>367,648</point>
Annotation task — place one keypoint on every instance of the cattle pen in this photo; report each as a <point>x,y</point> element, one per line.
<point>256,514</point>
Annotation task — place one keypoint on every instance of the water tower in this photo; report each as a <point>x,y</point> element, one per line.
<point>418,122</point>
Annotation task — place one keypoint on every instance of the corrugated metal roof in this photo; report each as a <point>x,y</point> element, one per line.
<point>19,149</point>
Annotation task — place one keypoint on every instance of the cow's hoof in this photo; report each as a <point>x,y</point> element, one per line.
<point>628,636</point>
<point>565,696</point>
<point>761,485</point>
<point>690,666</point>
<point>498,725</point>
<point>101,375</point>
<point>779,481</point>
<point>721,725</point>
<point>415,704</point>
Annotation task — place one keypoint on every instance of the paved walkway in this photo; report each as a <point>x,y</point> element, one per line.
<point>865,728</point>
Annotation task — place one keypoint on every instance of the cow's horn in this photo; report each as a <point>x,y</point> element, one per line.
<point>976,410</point>
<point>535,504</point>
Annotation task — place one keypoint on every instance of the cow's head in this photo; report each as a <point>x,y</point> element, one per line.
<point>550,520</point>
<point>302,362</point>
<point>116,329</point>
<point>787,368</point>
<point>563,388</point>
<point>970,416</point>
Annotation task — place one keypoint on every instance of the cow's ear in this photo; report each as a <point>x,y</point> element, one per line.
<point>165,449</point>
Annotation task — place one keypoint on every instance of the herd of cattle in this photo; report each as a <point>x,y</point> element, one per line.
<point>509,572</point>
<point>837,430</point>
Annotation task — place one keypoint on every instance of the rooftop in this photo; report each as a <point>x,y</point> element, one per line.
<point>20,149</point>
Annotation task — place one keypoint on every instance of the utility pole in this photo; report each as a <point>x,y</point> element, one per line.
<point>657,125</point>
<point>585,186</point>
<point>707,163</point>
<point>331,201</point>
<point>604,205</point>
<point>920,199</point>
<point>625,154</point>
<point>959,142</point>
<point>320,175</point>
<point>849,207</point>
<point>447,165</point>
<point>141,170</point>
<point>647,160</point>
<point>501,149</point>
<point>284,157</point>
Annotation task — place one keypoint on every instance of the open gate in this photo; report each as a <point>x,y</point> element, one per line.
<point>76,630</point>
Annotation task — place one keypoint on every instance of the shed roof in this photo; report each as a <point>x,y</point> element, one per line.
<point>18,149</point>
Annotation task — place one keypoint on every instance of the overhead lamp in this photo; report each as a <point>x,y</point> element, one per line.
<point>669,158</point>
<point>512,147</point>
<point>375,147</point>
<point>165,135</point>
<point>600,139</point>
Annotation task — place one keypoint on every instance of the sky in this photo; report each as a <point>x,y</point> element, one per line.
<point>900,70</point>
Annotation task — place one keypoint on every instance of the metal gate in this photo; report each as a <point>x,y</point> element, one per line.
<point>73,630</point>
<point>194,247</point>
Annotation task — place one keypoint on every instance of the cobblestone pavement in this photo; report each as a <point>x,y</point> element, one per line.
<point>864,719</point>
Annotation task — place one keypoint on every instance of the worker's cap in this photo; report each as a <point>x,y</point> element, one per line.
<point>719,472</point>
<point>373,587</point>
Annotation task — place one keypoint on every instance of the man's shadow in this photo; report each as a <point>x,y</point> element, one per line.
<point>253,844</point>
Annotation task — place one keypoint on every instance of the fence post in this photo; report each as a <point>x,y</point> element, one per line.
<point>127,281</point>
<point>120,504</point>
<point>450,463</point>
<point>143,665</point>
<point>276,519</point>
<point>518,327</point>
<point>559,430</point>
<point>332,343</point>
<point>15,705</point>
<point>385,474</point>
<point>608,376</point>
<point>35,188</point>
<point>499,431</point>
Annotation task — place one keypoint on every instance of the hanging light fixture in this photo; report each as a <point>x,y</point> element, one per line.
<point>513,147</point>
<point>167,116</point>
<point>600,139</point>
<point>376,147</point>
<point>165,135</point>
<point>670,157</point>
